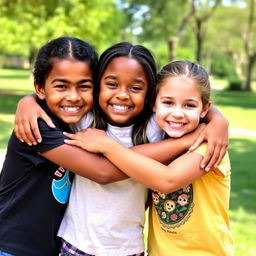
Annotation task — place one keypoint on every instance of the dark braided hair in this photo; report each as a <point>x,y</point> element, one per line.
<point>63,48</point>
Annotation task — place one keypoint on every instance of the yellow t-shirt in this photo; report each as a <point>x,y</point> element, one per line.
<point>193,220</point>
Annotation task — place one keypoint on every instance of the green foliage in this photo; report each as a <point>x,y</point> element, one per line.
<point>222,65</point>
<point>159,19</point>
<point>27,24</point>
<point>235,84</point>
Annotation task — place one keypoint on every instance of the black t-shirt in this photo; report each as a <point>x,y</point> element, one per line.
<point>33,194</point>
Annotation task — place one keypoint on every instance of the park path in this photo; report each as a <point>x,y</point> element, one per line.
<point>231,132</point>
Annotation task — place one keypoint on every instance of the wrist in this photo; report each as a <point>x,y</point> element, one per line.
<point>108,144</point>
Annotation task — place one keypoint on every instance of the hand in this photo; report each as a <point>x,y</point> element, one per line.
<point>25,123</point>
<point>89,139</point>
<point>216,135</point>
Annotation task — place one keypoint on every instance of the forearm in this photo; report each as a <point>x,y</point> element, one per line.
<point>89,165</point>
<point>165,151</point>
<point>151,173</point>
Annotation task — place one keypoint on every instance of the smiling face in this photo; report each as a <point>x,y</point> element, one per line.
<point>123,88</point>
<point>179,106</point>
<point>68,90</point>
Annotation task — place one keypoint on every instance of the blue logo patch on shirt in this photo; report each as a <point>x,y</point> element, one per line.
<point>61,188</point>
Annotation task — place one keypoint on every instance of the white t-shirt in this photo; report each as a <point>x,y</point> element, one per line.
<point>108,219</point>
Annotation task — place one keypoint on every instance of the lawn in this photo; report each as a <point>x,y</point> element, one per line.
<point>238,107</point>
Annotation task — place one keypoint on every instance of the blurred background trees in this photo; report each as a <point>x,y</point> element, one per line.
<point>219,34</point>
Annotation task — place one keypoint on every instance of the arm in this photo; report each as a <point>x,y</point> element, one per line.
<point>216,135</point>
<point>89,165</point>
<point>147,171</point>
<point>25,124</point>
<point>100,169</point>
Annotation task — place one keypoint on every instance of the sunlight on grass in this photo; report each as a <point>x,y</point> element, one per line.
<point>243,193</point>
<point>16,80</point>
<point>244,237</point>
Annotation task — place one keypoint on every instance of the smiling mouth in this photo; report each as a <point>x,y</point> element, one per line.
<point>176,125</point>
<point>120,108</point>
<point>73,109</point>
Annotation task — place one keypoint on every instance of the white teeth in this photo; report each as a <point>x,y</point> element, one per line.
<point>71,109</point>
<point>118,107</point>
<point>176,124</point>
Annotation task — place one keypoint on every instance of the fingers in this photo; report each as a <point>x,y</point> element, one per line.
<point>70,135</point>
<point>210,158</point>
<point>47,119</point>
<point>24,133</point>
<point>197,143</point>
<point>223,151</point>
<point>214,155</point>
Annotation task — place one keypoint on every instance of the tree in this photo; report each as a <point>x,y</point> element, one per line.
<point>250,45</point>
<point>203,11</point>
<point>160,22</point>
<point>174,39</point>
<point>28,24</point>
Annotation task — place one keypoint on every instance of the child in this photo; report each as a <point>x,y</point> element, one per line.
<point>126,78</point>
<point>35,181</point>
<point>189,216</point>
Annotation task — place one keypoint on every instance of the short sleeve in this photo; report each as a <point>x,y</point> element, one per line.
<point>224,167</point>
<point>51,137</point>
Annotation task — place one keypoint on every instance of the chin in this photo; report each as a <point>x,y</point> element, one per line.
<point>175,134</point>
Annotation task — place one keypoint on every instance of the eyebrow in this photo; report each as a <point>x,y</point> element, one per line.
<point>137,80</point>
<point>67,81</point>
<point>169,97</point>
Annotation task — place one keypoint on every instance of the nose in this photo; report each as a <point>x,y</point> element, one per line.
<point>123,94</point>
<point>177,112</point>
<point>73,95</point>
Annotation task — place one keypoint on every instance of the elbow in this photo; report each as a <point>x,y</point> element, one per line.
<point>104,178</point>
<point>168,187</point>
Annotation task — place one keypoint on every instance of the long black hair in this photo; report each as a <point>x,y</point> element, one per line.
<point>146,59</point>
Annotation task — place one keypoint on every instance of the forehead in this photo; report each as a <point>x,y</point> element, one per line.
<point>179,85</point>
<point>68,67</point>
<point>125,65</point>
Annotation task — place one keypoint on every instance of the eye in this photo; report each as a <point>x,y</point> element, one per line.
<point>60,86</point>
<point>168,103</point>
<point>136,88</point>
<point>190,105</point>
<point>111,85</point>
<point>86,86</point>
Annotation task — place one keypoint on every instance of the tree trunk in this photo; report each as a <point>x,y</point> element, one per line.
<point>198,40</point>
<point>251,62</point>
<point>172,46</point>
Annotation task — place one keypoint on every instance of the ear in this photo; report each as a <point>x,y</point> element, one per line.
<point>205,109</point>
<point>39,91</point>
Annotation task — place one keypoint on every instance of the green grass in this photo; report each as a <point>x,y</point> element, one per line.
<point>238,107</point>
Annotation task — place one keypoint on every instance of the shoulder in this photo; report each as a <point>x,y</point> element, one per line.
<point>223,168</point>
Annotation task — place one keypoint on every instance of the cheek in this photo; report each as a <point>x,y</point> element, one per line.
<point>161,113</point>
<point>195,116</point>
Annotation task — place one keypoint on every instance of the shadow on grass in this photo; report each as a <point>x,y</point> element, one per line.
<point>237,99</point>
<point>243,163</point>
